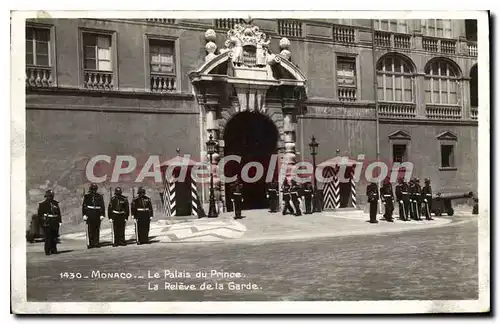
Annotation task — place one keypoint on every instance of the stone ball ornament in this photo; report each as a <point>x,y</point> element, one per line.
<point>211,47</point>
<point>286,54</point>
<point>210,35</point>
<point>284,43</point>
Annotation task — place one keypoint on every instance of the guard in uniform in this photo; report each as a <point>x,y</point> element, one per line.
<point>118,213</point>
<point>387,197</point>
<point>142,211</point>
<point>427,197</point>
<point>93,211</point>
<point>413,199</point>
<point>308,195</point>
<point>237,199</point>
<point>50,214</point>
<point>419,199</point>
<point>372,194</point>
<point>285,188</point>
<point>295,193</point>
<point>403,200</point>
<point>272,196</point>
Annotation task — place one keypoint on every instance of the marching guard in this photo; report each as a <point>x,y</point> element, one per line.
<point>308,197</point>
<point>118,213</point>
<point>93,211</point>
<point>272,196</point>
<point>387,197</point>
<point>403,200</point>
<point>295,194</point>
<point>142,211</point>
<point>237,199</point>
<point>427,197</point>
<point>372,194</point>
<point>285,188</point>
<point>50,215</point>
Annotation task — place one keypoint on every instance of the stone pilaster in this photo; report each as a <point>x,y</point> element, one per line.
<point>419,93</point>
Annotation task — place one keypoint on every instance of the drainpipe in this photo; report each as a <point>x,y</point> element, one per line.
<point>375,93</point>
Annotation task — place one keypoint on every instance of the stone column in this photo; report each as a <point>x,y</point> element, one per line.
<point>419,93</point>
<point>289,157</point>
<point>464,93</point>
<point>212,127</point>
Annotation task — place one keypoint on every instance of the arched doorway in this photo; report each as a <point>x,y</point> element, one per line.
<point>473,87</point>
<point>253,137</point>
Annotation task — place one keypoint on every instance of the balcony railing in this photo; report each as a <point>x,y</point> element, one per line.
<point>98,80</point>
<point>163,82</point>
<point>448,46</point>
<point>397,110</point>
<point>227,23</point>
<point>472,48</point>
<point>382,38</point>
<point>162,20</point>
<point>288,27</point>
<point>389,39</point>
<point>346,93</point>
<point>430,44</point>
<point>39,77</point>
<point>344,34</point>
<point>437,111</point>
<point>473,112</point>
<point>402,41</point>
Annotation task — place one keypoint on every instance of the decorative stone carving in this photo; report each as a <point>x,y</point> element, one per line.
<point>210,47</point>
<point>284,43</point>
<point>210,35</point>
<point>247,35</point>
<point>286,54</point>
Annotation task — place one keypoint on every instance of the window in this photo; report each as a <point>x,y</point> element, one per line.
<point>398,26</point>
<point>471,30</point>
<point>473,87</point>
<point>441,83</point>
<point>447,156</point>
<point>437,27</point>
<point>346,71</point>
<point>399,153</point>
<point>37,46</point>
<point>97,52</point>
<point>395,80</point>
<point>162,56</point>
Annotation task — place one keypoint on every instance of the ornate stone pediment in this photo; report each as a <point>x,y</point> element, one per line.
<point>447,136</point>
<point>399,135</point>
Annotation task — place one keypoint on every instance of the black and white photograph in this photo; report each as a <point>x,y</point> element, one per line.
<point>252,161</point>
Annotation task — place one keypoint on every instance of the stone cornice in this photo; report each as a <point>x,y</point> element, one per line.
<point>110,93</point>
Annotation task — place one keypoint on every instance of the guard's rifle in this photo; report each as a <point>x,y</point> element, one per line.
<point>111,220</point>
<point>87,239</point>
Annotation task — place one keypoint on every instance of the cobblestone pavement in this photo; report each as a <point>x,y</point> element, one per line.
<point>426,263</point>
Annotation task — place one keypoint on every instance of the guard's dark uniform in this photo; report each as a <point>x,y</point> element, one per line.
<point>237,199</point>
<point>308,195</point>
<point>272,196</point>
<point>286,198</point>
<point>403,200</point>
<point>93,211</point>
<point>387,197</point>
<point>372,194</point>
<point>427,198</point>
<point>420,199</point>
<point>50,214</point>
<point>414,193</point>
<point>142,211</point>
<point>295,194</point>
<point>118,213</point>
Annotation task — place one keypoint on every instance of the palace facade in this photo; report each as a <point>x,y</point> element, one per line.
<point>142,87</point>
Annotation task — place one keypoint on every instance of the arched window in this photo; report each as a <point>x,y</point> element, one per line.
<point>473,87</point>
<point>395,79</point>
<point>442,83</point>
